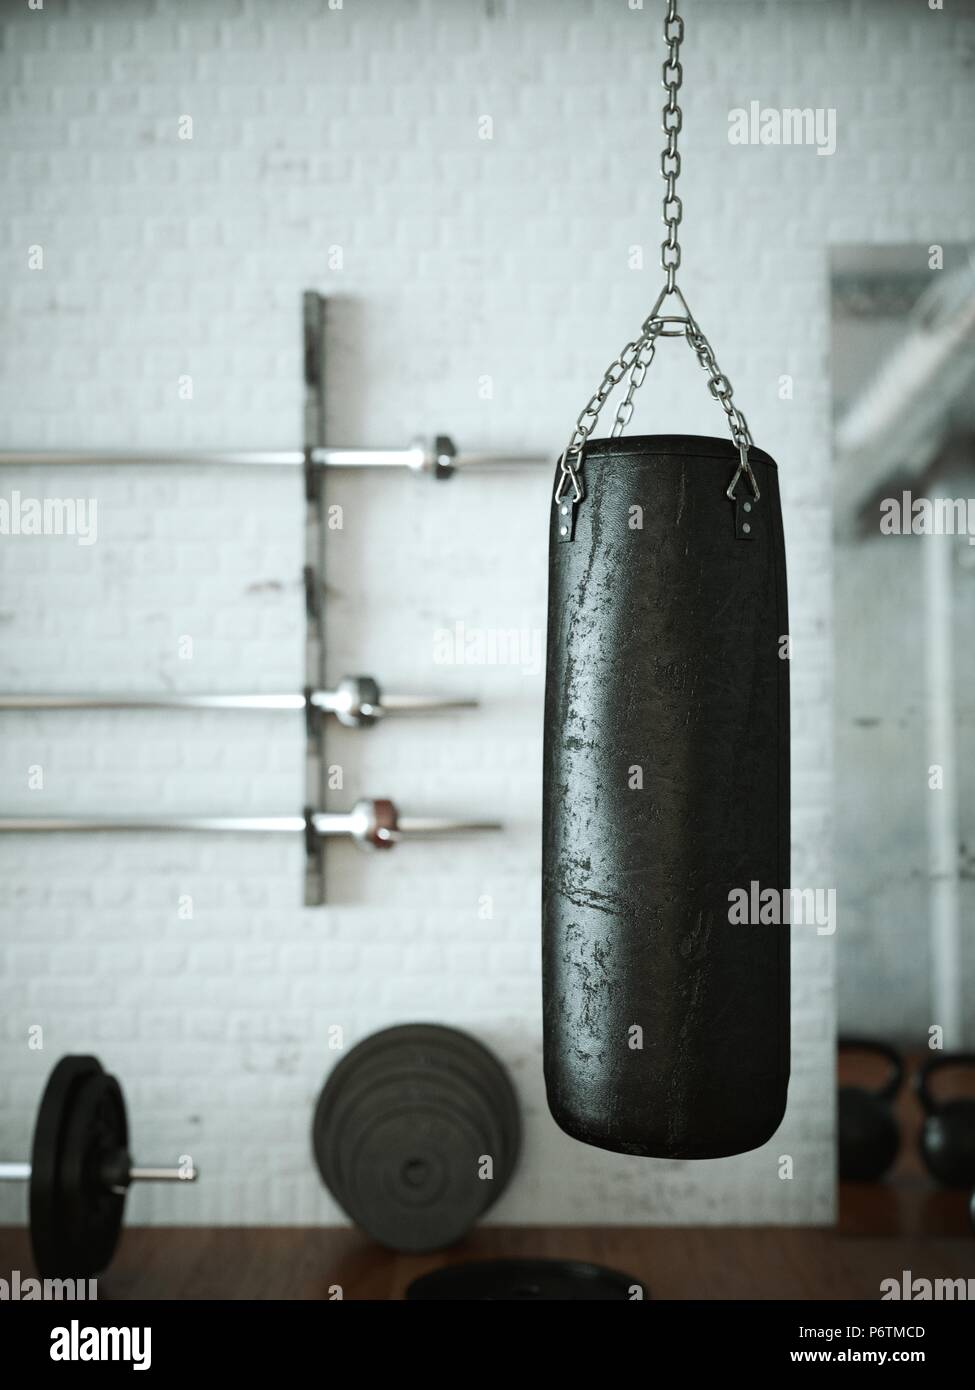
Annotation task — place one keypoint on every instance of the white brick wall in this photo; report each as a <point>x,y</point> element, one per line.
<point>358,127</point>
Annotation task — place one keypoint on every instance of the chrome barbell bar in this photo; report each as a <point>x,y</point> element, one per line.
<point>435,455</point>
<point>356,701</point>
<point>372,823</point>
<point>21,1172</point>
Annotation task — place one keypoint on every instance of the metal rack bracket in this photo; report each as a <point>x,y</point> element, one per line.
<point>316,766</point>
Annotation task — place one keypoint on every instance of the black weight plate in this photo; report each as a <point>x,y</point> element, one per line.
<point>465,1050</point>
<point>496,1075</point>
<point>413,1183</point>
<point>525,1281</point>
<point>422,1045</point>
<point>422,1048</point>
<point>435,1052</point>
<point>460,1103</point>
<point>427,1038</point>
<point>417,1148</point>
<point>419,1046</point>
<point>91,1213</point>
<point>47,1152</point>
<point>375,1092</point>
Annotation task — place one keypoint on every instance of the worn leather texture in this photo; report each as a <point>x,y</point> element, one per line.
<point>664,665</point>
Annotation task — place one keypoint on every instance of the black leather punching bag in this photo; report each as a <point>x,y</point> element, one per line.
<point>666,791</point>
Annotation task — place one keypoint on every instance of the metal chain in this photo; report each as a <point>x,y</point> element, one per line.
<point>645,355</point>
<point>588,416</point>
<point>719,385</point>
<point>637,355</point>
<point>673,119</point>
<point>722,391</point>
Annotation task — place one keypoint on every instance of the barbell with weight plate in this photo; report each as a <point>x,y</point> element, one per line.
<point>416,1134</point>
<point>80,1170</point>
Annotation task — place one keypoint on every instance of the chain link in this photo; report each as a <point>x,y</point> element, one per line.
<point>637,355</point>
<point>644,356</point>
<point>627,361</point>
<point>722,391</point>
<point>719,386</point>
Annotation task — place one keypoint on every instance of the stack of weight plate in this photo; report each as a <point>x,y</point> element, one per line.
<point>416,1134</point>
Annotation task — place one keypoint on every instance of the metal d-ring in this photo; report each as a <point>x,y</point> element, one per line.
<point>687,318</point>
<point>743,467</point>
<point>650,326</point>
<point>569,472</point>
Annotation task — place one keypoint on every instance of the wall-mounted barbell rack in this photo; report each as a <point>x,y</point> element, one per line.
<point>357,701</point>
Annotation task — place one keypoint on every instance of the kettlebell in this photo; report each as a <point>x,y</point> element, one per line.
<point>868,1134</point>
<point>948,1137</point>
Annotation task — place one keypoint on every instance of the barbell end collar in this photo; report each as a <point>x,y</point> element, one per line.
<point>444,457</point>
<point>357,701</point>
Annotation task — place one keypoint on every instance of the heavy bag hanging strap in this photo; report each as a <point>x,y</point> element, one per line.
<point>636,356</point>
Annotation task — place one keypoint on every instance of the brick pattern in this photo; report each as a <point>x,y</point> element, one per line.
<point>462,259</point>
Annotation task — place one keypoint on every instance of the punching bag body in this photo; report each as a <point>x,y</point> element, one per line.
<point>666,803</point>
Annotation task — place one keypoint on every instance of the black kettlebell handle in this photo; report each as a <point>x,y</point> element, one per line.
<point>940,1063</point>
<point>896,1078</point>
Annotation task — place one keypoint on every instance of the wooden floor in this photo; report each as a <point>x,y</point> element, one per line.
<point>673,1262</point>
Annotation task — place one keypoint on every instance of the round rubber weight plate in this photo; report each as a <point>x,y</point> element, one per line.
<point>422,1065</point>
<point>526,1281</point>
<point>427,1049</point>
<point>469,1053</point>
<point>91,1213</point>
<point>375,1093</point>
<point>465,1051</point>
<point>413,1182</point>
<point>47,1153</point>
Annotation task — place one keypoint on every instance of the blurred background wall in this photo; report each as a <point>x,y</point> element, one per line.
<point>484,286</point>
